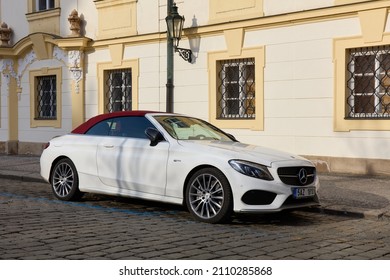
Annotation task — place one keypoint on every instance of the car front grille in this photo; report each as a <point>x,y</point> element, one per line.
<point>297,175</point>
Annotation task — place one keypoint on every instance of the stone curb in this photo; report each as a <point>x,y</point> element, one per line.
<point>23,178</point>
<point>377,214</point>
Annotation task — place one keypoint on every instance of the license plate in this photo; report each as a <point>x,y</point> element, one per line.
<point>303,192</point>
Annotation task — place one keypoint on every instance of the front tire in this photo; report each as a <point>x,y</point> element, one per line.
<point>209,197</point>
<point>65,181</point>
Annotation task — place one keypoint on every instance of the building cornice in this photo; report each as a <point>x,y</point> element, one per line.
<point>274,21</point>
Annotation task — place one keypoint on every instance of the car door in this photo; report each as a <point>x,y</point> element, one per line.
<point>126,160</point>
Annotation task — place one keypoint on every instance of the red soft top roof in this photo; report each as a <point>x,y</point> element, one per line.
<point>83,128</point>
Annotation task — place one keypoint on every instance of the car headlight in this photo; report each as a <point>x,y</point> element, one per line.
<point>251,169</point>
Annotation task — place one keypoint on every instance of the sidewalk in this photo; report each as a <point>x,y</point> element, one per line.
<point>342,194</point>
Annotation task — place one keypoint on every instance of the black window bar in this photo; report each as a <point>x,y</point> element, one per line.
<point>118,90</point>
<point>368,84</point>
<point>236,89</point>
<point>46,97</point>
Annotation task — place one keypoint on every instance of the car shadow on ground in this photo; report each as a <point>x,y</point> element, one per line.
<point>295,218</point>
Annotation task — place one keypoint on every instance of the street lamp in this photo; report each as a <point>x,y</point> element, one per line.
<point>175,24</point>
<point>174,28</point>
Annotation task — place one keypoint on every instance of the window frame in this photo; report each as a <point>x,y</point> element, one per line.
<point>341,46</point>
<point>102,67</point>
<point>377,75</point>
<point>47,5</point>
<point>256,123</point>
<point>33,6</point>
<point>46,110</point>
<point>126,99</point>
<point>224,109</point>
<point>35,120</point>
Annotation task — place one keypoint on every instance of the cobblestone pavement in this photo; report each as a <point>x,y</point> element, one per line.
<point>34,225</point>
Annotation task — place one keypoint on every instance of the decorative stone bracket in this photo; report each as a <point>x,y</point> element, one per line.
<point>75,58</point>
<point>8,69</point>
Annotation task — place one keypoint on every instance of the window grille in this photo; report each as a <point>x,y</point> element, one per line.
<point>118,90</point>
<point>46,97</point>
<point>369,83</point>
<point>45,5</point>
<point>236,89</point>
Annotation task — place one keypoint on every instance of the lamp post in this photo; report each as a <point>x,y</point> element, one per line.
<point>175,24</point>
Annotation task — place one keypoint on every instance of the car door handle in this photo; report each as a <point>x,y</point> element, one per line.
<point>108,146</point>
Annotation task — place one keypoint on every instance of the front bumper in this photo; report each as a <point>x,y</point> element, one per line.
<point>253,195</point>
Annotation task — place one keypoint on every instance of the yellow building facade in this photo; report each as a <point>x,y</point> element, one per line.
<point>309,77</point>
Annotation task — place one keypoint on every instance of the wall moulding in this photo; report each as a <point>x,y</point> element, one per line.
<point>117,18</point>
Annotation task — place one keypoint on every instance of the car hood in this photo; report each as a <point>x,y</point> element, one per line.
<point>237,150</point>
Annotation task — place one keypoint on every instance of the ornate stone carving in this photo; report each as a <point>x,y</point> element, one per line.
<point>8,64</point>
<point>60,55</point>
<point>74,21</point>
<point>23,63</point>
<point>7,69</point>
<point>5,35</point>
<point>74,58</point>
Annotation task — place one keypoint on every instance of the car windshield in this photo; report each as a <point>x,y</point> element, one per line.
<point>186,128</point>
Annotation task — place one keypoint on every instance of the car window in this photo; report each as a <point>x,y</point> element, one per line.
<point>186,128</point>
<point>101,129</point>
<point>133,127</point>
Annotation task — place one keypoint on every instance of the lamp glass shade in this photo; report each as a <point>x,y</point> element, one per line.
<point>175,24</point>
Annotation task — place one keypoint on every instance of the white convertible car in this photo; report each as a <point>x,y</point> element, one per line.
<point>176,159</point>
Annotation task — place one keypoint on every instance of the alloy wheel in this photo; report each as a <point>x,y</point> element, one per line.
<point>209,197</point>
<point>65,183</point>
<point>206,196</point>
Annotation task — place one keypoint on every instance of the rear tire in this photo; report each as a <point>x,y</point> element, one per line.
<point>65,181</point>
<point>209,197</point>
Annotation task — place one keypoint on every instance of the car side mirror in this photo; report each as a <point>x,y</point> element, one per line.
<point>154,136</point>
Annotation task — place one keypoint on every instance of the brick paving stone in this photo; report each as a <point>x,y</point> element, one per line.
<point>77,257</point>
<point>96,254</point>
<point>174,256</point>
<point>123,255</point>
<point>143,249</point>
<point>375,253</point>
<point>281,254</point>
<point>306,255</point>
<point>205,256</point>
<point>150,255</point>
<point>64,248</point>
<point>12,255</point>
<point>329,256</point>
<point>116,249</point>
<point>323,251</point>
<point>351,251</point>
